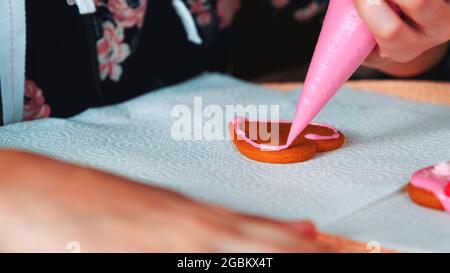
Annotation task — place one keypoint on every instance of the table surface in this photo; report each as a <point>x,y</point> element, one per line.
<point>421,91</point>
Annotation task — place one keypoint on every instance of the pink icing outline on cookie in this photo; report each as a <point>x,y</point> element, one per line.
<point>434,179</point>
<point>237,121</point>
<point>335,134</point>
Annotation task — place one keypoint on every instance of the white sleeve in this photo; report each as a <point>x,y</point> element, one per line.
<point>12,59</point>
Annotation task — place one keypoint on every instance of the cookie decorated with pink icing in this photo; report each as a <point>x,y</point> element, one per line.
<point>430,187</point>
<point>265,141</point>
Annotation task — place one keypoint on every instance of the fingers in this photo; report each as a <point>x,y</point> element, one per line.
<point>276,236</point>
<point>424,13</point>
<point>279,237</point>
<point>409,34</point>
<point>304,229</point>
<point>390,31</point>
<point>374,60</point>
<point>381,19</point>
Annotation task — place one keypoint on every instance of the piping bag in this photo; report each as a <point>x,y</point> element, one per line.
<point>344,43</point>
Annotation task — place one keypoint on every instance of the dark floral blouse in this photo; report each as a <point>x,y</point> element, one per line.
<point>118,27</point>
<point>118,24</point>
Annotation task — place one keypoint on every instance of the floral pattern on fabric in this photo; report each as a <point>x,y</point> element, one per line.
<point>127,13</point>
<point>35,106</point>
<point>117,27</point>
<point>112,51</point>
<point>118,24</point>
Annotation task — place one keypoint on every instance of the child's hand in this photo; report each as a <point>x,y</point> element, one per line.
<point>51,206</point>
<point>418,38</point>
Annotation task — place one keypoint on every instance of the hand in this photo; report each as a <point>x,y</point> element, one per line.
<point>411,43</point>
<point>51,206</point>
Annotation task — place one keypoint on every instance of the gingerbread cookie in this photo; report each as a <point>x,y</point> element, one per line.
<point>430,187</point>
<point>316,138</point>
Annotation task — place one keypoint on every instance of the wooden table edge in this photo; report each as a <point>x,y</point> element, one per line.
<point>420,91</point>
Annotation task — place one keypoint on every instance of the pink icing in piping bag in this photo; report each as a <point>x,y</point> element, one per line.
<point>344,43</point>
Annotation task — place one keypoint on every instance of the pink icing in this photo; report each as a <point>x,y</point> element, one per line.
<point>335,134</point>
<point>344,43</point>
<point>434,179</point>
<point>442,169</point>
<point>237,121</point>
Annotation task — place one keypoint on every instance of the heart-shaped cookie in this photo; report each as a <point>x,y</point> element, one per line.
<point>250,136</point>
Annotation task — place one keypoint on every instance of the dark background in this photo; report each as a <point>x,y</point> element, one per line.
<point>268,45</point>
